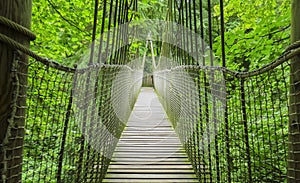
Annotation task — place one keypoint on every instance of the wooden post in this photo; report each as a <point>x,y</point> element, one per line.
<point>294,113</point>
<point>12,128</point>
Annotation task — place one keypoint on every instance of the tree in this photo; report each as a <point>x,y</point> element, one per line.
<point>294,120</point>
<point>12,101</point>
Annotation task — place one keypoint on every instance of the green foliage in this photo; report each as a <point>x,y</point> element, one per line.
<point>256,32</point>
<point>63,28</point>
<point>152,9</point>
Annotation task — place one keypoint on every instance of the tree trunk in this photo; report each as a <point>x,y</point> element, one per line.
<point>12,103</point>
<point>294,113</point>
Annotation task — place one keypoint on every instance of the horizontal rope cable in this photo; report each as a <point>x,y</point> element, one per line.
<point>14,44</point>
<point>292,51</point>
<point>283,58</point>
<point>21,29</point>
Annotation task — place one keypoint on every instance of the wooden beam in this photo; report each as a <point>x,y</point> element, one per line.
<point>294,113</point>
<point>11,134</point>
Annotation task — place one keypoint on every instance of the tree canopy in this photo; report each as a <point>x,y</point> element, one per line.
<point>256,31</point>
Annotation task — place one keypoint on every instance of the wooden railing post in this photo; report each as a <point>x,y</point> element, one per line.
<point>294,109</point>
<point>13,81</point>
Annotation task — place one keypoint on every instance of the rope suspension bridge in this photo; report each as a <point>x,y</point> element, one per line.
<point>201,122</point>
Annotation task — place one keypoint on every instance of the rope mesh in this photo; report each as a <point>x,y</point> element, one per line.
<point>252,141</point>
<point>75,116</point>
<point>258,126</point>
<point>66,128</point>
<point>48,96</point>
<point>234,125</point>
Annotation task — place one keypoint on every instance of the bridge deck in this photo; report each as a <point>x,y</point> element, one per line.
<point>149,149</point>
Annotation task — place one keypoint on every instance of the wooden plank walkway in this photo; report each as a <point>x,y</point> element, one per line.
<point>149,149</point>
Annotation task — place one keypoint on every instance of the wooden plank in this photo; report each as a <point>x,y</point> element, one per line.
<point>147,134</point>
<point>152,136</point>
<point>148,171</point>
<point>151,176</point>
<point>149,131</point>
<point>152,180</point>
<point>156,143</point>
<point>148,138</point>
<point>155,166</point>
<point>150,141</point>
<point>136,150</point>
<point>148,145</point>
<point>150,125</point>
<point>134,129</point>
<point>149,159</point>
<point>148,153</point>
<point>145,150</point>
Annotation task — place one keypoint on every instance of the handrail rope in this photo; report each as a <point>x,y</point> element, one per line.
<point>104,66</point>
<point>21,29</point>
<point>14,44</point>
<point>195,67</point>
<point>292,46</point>
<point>287,55</point>
<point>290,52</point>
<point>53,64</point>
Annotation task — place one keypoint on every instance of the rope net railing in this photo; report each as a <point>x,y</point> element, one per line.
<point>234,125</point>
<point>68,117</point>
<point>249,143</point>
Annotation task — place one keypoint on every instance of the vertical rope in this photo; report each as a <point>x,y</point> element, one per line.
<point>113,56</point>
<point>246,131</point>
<point>222,33</point>
<point>109,28</point>
<point>63,143</point>
<point>94,32</point>
<point>100,57</point>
